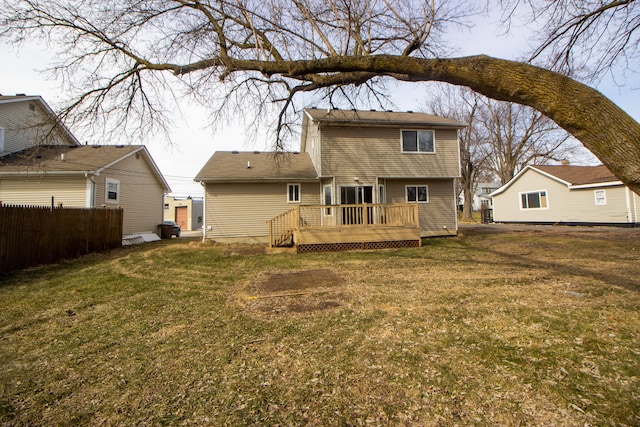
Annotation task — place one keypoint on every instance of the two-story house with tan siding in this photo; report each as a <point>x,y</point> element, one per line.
<point>360,178</point>
<point>566,194</point>
<point>42,163</point>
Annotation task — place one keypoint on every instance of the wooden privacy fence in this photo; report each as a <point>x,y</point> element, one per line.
<point>33,235</point>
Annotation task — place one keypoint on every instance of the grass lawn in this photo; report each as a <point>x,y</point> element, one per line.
<point>517,328</point>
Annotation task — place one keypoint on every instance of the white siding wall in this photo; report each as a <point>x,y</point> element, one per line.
<point>563,205</point>
<point>38,190</point>
<point>241,211</point>
<point>141,194</point>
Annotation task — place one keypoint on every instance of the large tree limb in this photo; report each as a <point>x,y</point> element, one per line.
<point>603,127</point>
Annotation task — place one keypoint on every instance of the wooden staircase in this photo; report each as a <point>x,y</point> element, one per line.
<point>282,227</point>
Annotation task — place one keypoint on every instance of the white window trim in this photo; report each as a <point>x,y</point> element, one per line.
<point>289,192</point>
<point>433,133</point>
<point>603,199</point>
<point>406,193</point>
<point>522,208</point>
<point>2,132</point>
<point>108,181</point>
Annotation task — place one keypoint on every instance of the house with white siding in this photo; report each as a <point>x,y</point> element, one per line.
<point>360,179</point>
<point>42,164</point>
<point>566,194</point>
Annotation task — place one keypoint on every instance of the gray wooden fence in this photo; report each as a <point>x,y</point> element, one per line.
<point>32,235</point>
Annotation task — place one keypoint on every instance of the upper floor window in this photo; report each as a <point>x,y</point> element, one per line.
<point>417,193</point>
<point>112,190</point>
<point>601,197</point>
<point>1,139</point>
<point>293,193</point>
<point>418,141</point>
<point>533,200</point>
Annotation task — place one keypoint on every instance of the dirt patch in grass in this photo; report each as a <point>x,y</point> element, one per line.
<point>302,291</point>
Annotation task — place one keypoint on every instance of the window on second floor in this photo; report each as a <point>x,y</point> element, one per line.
<point>418,141</point>
<point>1,139</point>
<point>601,197</point>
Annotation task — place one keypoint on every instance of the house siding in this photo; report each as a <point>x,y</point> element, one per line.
<point>141,194</point>
<point>438,216</point>
<point>25,127</point>
<point>564,205</point>
<point>38,191</point>
<point>368,153</point>
<point>240,211</point>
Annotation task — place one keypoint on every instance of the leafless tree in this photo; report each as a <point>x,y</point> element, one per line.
<point>462,104</point>
<point>517,136</point>
<point>261,53</point>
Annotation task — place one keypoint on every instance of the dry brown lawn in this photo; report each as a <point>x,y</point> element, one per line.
<point>498,326</point>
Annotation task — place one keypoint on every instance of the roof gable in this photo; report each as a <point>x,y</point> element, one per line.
<point>248,166</point>
<point>46,109</point>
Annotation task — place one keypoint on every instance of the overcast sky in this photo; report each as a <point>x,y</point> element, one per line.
<point>193,143</point>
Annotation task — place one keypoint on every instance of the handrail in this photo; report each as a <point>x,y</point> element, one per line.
<point>282,227</point>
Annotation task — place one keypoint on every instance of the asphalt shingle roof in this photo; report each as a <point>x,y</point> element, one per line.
<point>580,175</point>
<point>244,166</point>
<point>388,118</point>
<point>48,158</point>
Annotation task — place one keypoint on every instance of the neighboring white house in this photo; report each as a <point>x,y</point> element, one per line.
<point>481,195</point>
<point>564,194</point>
<point>42,163</point>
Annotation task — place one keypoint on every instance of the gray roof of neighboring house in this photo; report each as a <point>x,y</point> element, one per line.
<point>257,166</point>
<point>64,159</point>
<point>380,118</point>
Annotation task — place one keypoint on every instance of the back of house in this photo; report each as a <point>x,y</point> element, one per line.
<point>346,158</point>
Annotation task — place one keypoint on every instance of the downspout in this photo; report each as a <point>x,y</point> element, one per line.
<point>92,191</point>
<point>204,212</point>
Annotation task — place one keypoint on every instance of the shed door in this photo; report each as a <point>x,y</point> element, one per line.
<point>182,217</point>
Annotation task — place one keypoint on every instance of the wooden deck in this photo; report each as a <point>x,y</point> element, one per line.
<point>344,227</point>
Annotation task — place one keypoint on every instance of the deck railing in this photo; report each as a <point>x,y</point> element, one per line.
<point>282,227</point>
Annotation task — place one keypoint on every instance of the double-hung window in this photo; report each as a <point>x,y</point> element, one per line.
<point>533,200</point>
<point>418,141</point>
<point>601,197</point>
<point>112,191</point>
<point>417,193</point>
<point>293,193</point>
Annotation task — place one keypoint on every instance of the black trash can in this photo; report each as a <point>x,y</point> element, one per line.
<point>165,230</point>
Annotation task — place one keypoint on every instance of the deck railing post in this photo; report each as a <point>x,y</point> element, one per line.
<point>365,215</point>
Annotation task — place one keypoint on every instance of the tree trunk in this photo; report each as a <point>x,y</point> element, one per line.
<point>604,128</point>
<point>467,209</point>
